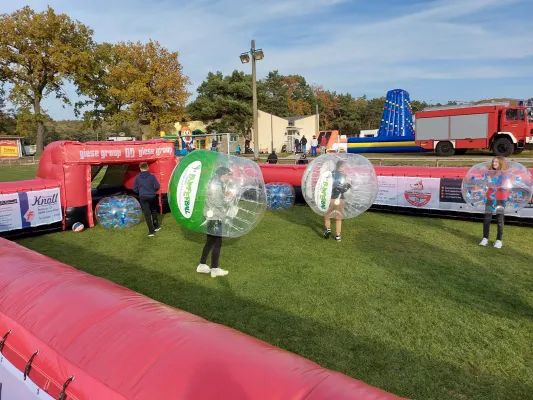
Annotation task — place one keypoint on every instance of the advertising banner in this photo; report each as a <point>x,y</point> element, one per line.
<point>429,193</point>
<point>10,148</point>
<point>102,152</point>
<point>28,209</point>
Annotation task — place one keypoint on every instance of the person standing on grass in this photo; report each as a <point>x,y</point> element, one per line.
<point>323,144</point>
<point>496,198</point>
<point>147,186</point>
<point>314,145</point>
<point>303,144</point>
<point>215,209</point>
<point>336,208</point>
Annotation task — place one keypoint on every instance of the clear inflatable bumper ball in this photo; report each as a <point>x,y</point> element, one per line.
<point>217,194</point>
<point>497,191</point>
<point>340,185</point>
<point>118,212</point>
<point>280,196</point>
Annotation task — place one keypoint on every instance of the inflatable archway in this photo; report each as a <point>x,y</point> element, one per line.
<point>70,163</point>
<point>67,333</point>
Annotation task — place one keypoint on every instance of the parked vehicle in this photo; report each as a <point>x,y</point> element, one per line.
<point>450,130</point>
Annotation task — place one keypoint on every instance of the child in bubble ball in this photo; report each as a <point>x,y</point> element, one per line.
<point>496,196</point>
<point>336,208</point>
<point>215,209</point>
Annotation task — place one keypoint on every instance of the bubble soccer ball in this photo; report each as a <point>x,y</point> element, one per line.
<point>499,192</point>
<point>217,194</point>
<point>118,212</point>
<point>280,196</point>
<point>340,184</point>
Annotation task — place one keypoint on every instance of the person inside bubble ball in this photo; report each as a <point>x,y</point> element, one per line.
<point>496,198</point>
<point>215,209</point>
<point>336,208</point>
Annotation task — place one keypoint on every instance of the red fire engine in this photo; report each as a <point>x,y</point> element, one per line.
<point>450,130</point>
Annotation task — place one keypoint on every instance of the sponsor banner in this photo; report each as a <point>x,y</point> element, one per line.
<point>429,193</point>
<point>135,153</point>
<point>418,192</point>
<point>10,148</point>
<point>27,209</point>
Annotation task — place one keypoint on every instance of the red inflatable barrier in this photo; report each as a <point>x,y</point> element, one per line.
<point>70,164</point>
<point>293,174</point>
<point>121,345</point>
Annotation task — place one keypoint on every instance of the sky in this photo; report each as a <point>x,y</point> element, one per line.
<point>437,50</point>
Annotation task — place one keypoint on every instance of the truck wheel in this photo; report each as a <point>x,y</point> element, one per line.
<point>503,147</point>
<point>445,149</point>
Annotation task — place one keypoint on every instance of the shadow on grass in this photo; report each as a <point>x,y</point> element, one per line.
<point>448,275</point>
<point>305,217</point>
<point>397,370</point>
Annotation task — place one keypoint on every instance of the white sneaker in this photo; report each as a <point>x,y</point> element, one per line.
<point>498,244</point>
<point>218,272</point>
<point>484,242</point>
<point>203,269</point>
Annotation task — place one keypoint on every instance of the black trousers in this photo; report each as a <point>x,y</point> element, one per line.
<point>212,244</point>
<point>488,219</point>
<point>150,211</point>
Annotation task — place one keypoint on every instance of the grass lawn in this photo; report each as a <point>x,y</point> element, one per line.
<point>411,305</point>
<point>17,172</point>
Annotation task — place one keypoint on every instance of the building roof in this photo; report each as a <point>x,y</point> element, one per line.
<point>297,117</point>
<point>10,137</point>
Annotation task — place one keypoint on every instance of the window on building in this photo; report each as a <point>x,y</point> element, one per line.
<point>233,138</point>
<point>291,123</point>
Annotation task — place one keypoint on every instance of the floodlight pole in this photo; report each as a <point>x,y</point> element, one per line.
<point>254,104</point>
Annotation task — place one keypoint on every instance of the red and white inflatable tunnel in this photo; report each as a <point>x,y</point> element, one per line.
<point>74,165</point>
<point>65,334</point>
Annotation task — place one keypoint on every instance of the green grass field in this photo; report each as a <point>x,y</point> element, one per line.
<point>411,305</point>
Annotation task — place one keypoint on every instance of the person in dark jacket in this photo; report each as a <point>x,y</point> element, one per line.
<point>272,158</point>
<point>147,186</point>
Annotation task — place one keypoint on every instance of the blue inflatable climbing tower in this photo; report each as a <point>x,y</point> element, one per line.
<point>397,118</point>
<point>396,133</point>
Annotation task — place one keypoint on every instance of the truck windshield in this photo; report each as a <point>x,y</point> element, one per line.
<point>530,114</point>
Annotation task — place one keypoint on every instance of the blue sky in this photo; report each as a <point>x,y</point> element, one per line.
<point>438,50</point>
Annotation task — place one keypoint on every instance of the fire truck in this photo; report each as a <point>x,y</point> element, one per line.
<point>499,127</point>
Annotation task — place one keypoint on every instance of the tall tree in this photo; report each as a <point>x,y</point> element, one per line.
<point>328,107</point>
<point>38,53</point>
<point>136,82</point>
<point>224,103</point>
<point>273,94</point>
<point>300,96</point>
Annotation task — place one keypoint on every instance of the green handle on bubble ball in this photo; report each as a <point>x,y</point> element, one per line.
<point>187,189</point>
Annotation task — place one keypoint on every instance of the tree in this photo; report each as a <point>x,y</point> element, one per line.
<point>273,95</point>
<point>224,103</point>
<point>38,53</point>
<point>136,82</point>
<point>328,107</point>
<point>300,96</point>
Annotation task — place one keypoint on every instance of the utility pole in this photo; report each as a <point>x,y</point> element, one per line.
<point>271,133</point>
<point>257,54</point>
<point>254,105</point>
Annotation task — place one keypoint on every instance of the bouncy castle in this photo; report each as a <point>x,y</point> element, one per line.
<point>396,132</point>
